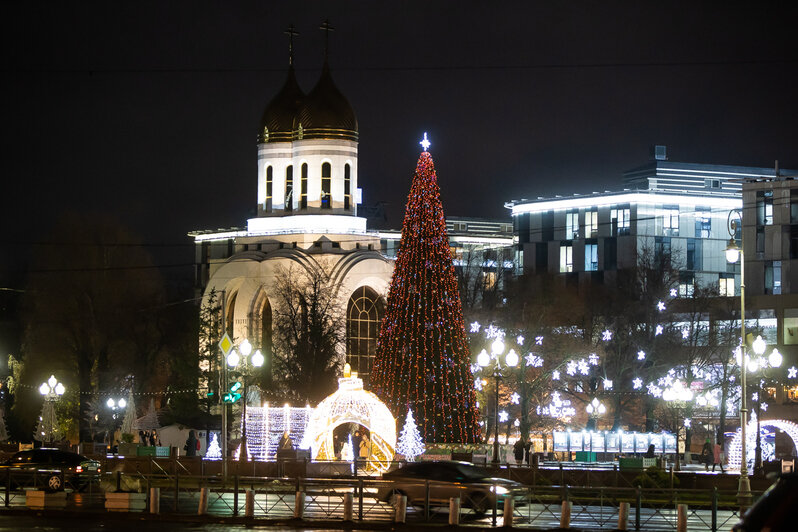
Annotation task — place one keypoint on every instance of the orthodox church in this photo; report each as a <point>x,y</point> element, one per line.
<point>307,220</point>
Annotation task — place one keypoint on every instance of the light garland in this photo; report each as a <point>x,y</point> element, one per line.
<point>267,424</point>
<point>214,452</point>
<point>410,443</point>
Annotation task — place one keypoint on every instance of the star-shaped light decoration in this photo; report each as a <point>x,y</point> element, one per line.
<point>570,368</point>
<point>637,383</point>
<point>555,375</point>
<point>685,334</point>
<point>792,373</point>
<point>475,327</point>
<point>520,339</point>
<point>517,422</point>
<point>687,422</point>
<point>425,142</point>
<point>607,384</point>
<point>755,397</point>
<point>503,416</point>
<point>673,292</point>
<point>533,360</point>
<point>584,369</point>
<point>658,331</point>
<point>593,359</point>
<point>661,306</point>
<point>538,340</point>
<point>606,335</point>
<point>641,355</point>
<point>515,398</point>
<point>493,332</point>
<point>765,407</point>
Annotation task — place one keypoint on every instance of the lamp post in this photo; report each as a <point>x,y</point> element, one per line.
<point>114,405</point>
<point>594,409</point>
<point>52,390</point>
<point>761,363</point>
<point>233,361</point>
<point>733,254</point>
<point>485,360</point>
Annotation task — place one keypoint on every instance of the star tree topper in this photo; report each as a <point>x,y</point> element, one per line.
<point>425,142</point>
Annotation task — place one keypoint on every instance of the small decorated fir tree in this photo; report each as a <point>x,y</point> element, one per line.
<point>347,454</point>
<point>410,444</point>
<point>214,452</point>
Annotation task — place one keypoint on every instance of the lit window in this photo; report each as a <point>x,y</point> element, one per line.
<point>566,258</point>
<point>326,178</point>
<point>773,277</point>
<point>364,314</point>
<point>571,225</point>
<point>591,257</point>
<point>289,188</point>
<point>269,181</point>
<point>591,224</point>
<point>620,219</point>
<point>303,191</point>
<point>764,207</point>
<point>703,222</point>
<point>670,221</point>
<point>726,287</point>
<point>347,186</point>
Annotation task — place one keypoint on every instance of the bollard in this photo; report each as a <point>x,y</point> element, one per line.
<point>299,505</point>
<point>203,502</point>
<point>454,511</point>
<point>155,500</point>
<point>249,508</point>
<point>509,510</point>
<point>623,515</point>
<point>681,521</point>
<point>348,501</point>
<point>401,509</point>
<point>565,515</point>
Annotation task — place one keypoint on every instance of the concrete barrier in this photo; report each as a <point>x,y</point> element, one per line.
<point>454,511</point>
<point>155,500</point>
<point>299,505</point>
<point>565,515</point>
<point>249,506</point>
<point>401,509</point>
<point>348,503</point>
<point>623,515</point>
<point>203,502</point>
<point>509,512</point>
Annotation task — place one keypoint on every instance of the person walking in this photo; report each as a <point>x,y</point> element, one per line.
<point>191,444</point>
<point>717,457</point>
<point>706,454</point>
<point>518,450</point>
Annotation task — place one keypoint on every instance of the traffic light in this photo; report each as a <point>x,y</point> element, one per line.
<point>233,395</point>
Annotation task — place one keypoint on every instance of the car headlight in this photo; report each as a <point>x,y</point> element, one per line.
<point>499,490</point>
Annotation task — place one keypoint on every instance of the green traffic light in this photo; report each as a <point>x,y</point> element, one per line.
<point>235,386</point>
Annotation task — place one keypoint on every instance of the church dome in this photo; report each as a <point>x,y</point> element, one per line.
<point>278,118</point>
<point>325,113</point>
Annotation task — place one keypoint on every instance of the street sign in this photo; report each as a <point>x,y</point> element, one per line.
<point>226,344</point>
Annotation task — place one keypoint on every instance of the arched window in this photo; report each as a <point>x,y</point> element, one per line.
<point>326,178</point>
<point>229,318</point>
<point>303,193</point>
<point>266,343</point>
<point>267,206</point>
<point>363,317</point>
<point>347,186</point>
<point>289,188</point>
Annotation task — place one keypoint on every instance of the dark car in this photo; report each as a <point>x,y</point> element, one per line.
<point>473,485</point>
<point>775,510</point>
<point>50,469</point>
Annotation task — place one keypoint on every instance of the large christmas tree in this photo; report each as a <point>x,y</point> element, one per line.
<point>422,359</point>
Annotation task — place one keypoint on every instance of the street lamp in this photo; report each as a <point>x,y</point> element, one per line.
<point>773,360</point>
<point>733,254</point>
<point>594,409</point>
<point>233,360</point>
<point>52,390</point>
<point>484,360</point>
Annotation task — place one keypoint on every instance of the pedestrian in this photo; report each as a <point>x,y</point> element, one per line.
<point>650,452</point>
<point>356,444</point>
<point>285,441</point>
<point>191,444</point>
<point>706,454</point>
<point>529,448</point>
<point>364,447</point>
<point>717,457</point>
<point>518,450</point>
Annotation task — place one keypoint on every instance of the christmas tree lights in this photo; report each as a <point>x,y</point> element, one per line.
<point>214,452</point>
<point>423,360</point>
<point>410,444</point>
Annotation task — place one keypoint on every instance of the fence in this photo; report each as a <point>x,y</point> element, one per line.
<point>371,500</point>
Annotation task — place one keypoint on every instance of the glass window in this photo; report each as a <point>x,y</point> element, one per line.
<point>670,221</point>
<point>591,224</point>
<point>364,313</point>
<point>764,207</point>
<point>703,222</point>
<point>686,284</point>
<point>289,188</point>
<point>269,182</point>
<point>620,219</point>
<point>591,257</point>
<point>773,277</point>
<point>566,258</point>
<point>571,225</point>
<point>303,191</point>
<point>347,187</point>
<point>726,287</point>
<point>326,178</point>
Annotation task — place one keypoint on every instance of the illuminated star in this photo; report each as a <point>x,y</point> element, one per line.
<point>641,355</point>
<point>593,359</point>
<point>792,373</point>
<point>685,334</point>
<point>475,327</point>
<point>607,384</point>
<point>515,398</point>
<point>584,369</point>
<point>503,416</point>
<point>425,142</point>
<point>555,375</point>
<point>674,293</point>
<point>520,340</point>
<point>637,383</point>
<point>533,360</point>
<point>658,331</point>
<point>660,306</point>
<point>687,422</point>
<point>765,407</point>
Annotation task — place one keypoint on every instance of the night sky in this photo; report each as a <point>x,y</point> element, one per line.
<point>150,110</point>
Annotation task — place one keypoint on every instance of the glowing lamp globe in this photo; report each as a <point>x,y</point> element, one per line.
<point>59,389</point>
<point>512,358</point>
<point>245,348</point>
<point>111,403</point>
<point>775,359</point>
<point>44,389</point>
<point>732,252</point>
<point>602,408</point>
<point>233,359</point>
<point>497,347</point>
<point>257,359</point>
<point>759,345</point>
<point>753,365</point>
<point>122,403</point>
<point>483,358</point>
<point>52,381</point>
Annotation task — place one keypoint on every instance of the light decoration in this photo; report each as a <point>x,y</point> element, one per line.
<point>410,443</point>
<point>47,429</point>
<point>768,452</point>
<point>593,359</point>
<point>425,144</point>
<point>558,408</point>
<point>570,368</point>
<point>532,360</point>
<point>520,340</point>
<point>687,422</point>
<point>606,335</point>
<point>493,332</point>
<point>595,407</point>
<point>478,384</point>
<point>661,306</point>
<point>555,375</point>
<point>641,355</point>
<point>352,404</point>
<point>515,398</point>
<point>674,293</point>
<point>792,373</point>
<point>658,330</point>
<point>538,340</point>
<point>637,383</point>
<point>347,454</point>
<point>584,368</point>
<point>475,327</point>
<point>503,416</point>
<point>423,360</point>
<point>214,452</point>
<point>607,384</point>
<point>266,425</point>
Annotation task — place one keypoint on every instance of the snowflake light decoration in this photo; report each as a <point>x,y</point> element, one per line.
<point>593,359</point>
<point>673,292</point>
<point>606,335</point>
<point>475,327</point>
<point>570,368</point>
<point>584,369</point>
<point>658,331</point>
<point>478,384</point>
<point>494,332</point>
<point>661,306</point>
<point>685,334</point>
<point>607,384</point>
<point>641,355</point>
<point>637,383</point>
<point>687,422</point>
<point>764,407</point>
<point>533,360</point>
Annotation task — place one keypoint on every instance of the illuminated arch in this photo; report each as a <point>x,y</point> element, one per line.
<point>352,404</point>
<point>735,448</point>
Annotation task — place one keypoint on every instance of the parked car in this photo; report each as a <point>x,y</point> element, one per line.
<point>475,487</point>
<point>49,468</point>
<point>775,510</point>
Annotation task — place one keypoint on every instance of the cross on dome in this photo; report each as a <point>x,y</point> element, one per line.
<point>425,142</point>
